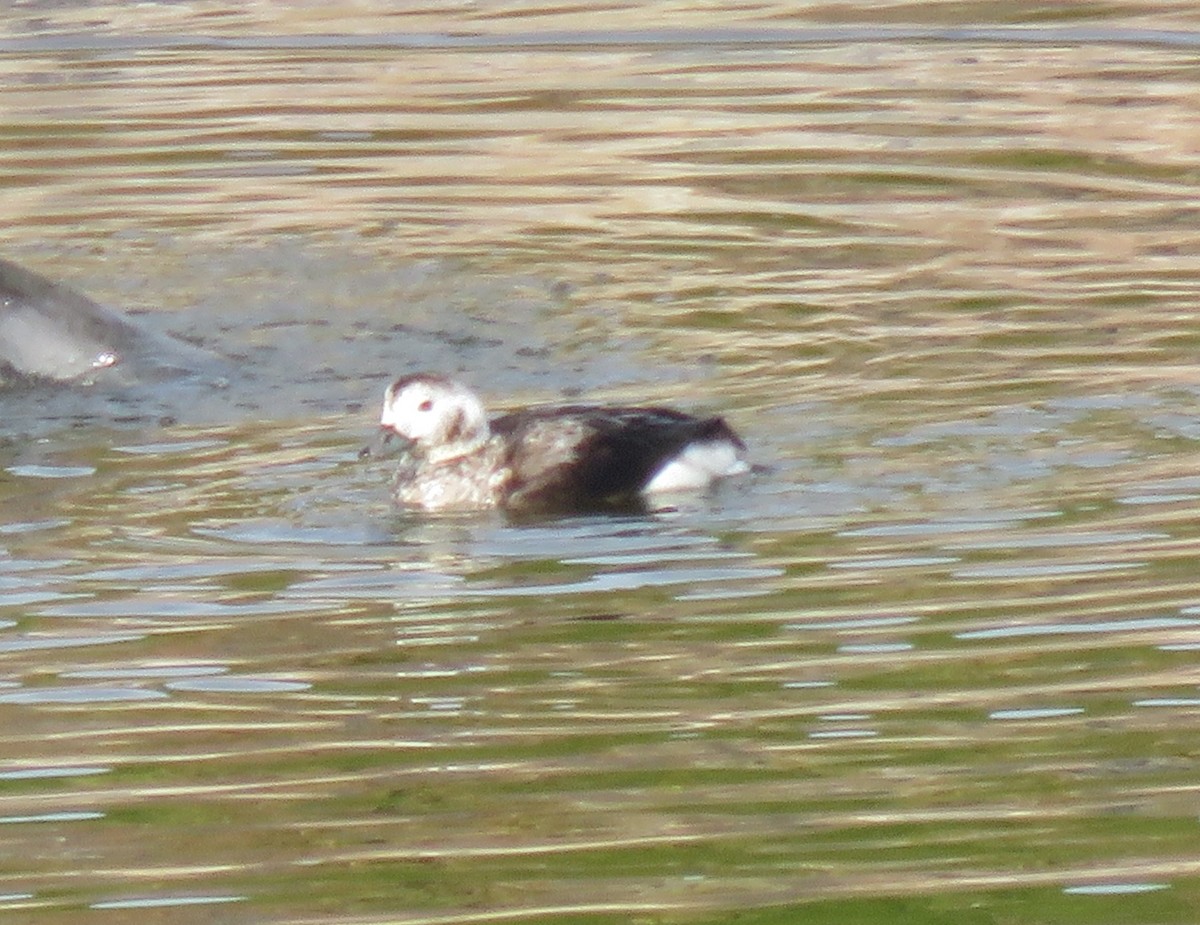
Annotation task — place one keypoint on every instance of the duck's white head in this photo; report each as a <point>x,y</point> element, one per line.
<point>443,418</point>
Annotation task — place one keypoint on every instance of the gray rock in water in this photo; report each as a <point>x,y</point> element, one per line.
<point>50,332</point>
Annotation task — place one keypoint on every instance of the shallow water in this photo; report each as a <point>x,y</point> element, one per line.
<point>937,663</point>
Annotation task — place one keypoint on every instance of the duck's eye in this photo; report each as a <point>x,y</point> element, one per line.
<point>426,405</point>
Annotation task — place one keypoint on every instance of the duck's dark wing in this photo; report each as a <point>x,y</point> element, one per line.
<point>581,457</point>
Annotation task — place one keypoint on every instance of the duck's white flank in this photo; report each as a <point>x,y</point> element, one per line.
<point>696,466</point>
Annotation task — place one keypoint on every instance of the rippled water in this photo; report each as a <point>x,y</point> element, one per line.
<point>937,263</point>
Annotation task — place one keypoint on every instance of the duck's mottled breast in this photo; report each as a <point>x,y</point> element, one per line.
<point>477,480</point>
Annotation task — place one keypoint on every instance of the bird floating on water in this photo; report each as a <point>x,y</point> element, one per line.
<point>548,459</point>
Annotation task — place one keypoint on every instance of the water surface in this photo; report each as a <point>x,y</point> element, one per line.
<point>937,663</point>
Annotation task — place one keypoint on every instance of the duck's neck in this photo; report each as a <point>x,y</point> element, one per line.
<point>459,449</point>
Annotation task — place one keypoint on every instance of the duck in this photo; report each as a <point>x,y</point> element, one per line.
<point>550,458</point>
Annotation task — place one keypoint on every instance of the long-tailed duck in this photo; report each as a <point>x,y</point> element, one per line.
<point>566,458</point>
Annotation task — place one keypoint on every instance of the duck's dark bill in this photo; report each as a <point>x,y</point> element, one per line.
<point>386,443</point>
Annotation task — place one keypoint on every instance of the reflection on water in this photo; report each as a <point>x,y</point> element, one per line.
<point>934,662</point>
